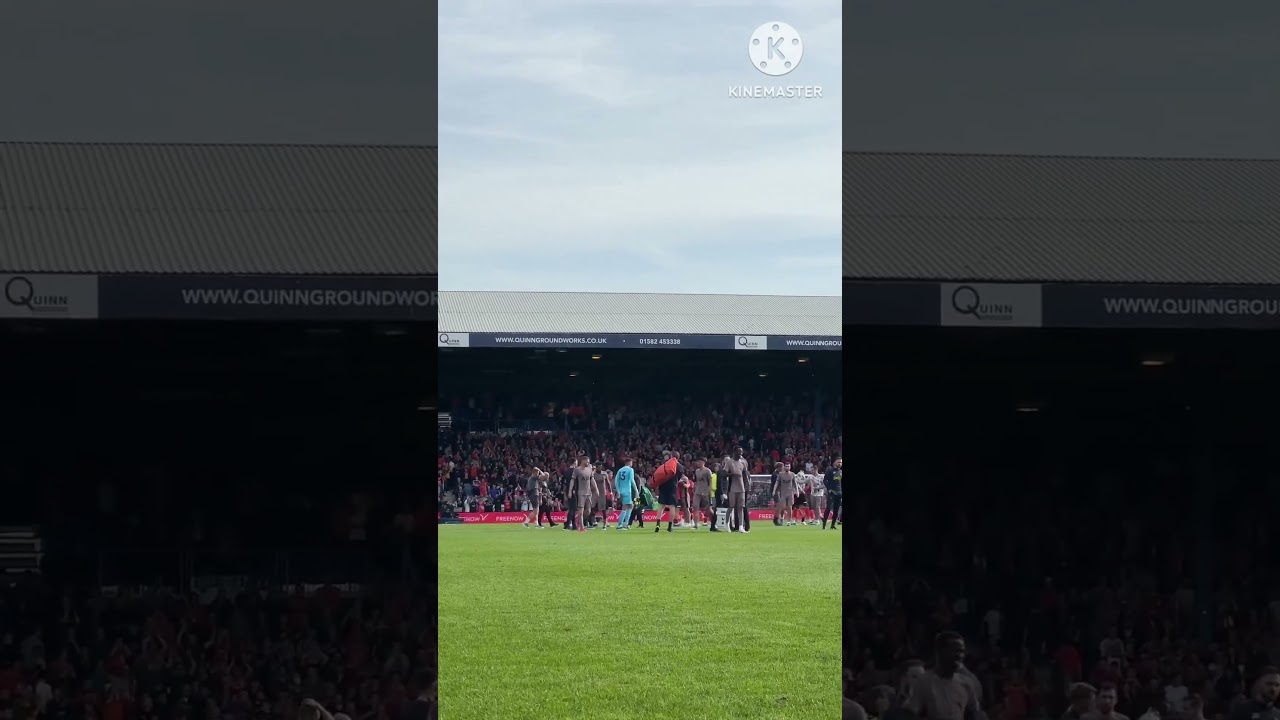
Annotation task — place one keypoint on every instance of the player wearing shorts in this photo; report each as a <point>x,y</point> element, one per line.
<point>544,493</point>
<point>667,500</point>
<point>736,468</point>
<point>684,494</point>
<point>625,485</point>
<point>643,500</point>
<point>537,479</point>
<point>584,481</point>
<point>785,493</point>
<point>805,498</point>
<point>701,490</point>
<point>817,497</point>
<point>602,498</point>
<point>802,497</point>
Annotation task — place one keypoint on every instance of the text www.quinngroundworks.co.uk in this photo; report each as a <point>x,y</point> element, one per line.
<point>814,343</point>
<point>1192,306</point>
<point>311,298</point>
<point>520,340</point>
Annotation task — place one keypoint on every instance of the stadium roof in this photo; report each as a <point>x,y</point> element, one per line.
<point>639,313</point>
<point>217,209</point>
<point>1073,219</point>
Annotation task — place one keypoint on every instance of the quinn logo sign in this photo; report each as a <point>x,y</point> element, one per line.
<point>991,304</point>
<point>21,292</point>
<point>48,296</point>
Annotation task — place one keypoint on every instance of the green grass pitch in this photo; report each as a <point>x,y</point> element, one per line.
<point>613,624</point>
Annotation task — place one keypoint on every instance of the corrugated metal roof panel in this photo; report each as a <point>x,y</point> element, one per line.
<point>1010,218</point>
<point>214,209</point>
<point>638,313</point>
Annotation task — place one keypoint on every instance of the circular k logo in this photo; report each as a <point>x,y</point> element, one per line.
<point>775,48</point>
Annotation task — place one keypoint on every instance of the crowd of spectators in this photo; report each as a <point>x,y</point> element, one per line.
<point>233,599</point>
<point>484,470</point>
<point>133,521</point>
<point>159,466</point>
<point>164,505</point>
<point>164,655</point>
<point>1147,577</point>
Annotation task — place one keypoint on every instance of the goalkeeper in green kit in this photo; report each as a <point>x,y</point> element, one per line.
<point>643,500</point>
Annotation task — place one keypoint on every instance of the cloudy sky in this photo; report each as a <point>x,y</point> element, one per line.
<point>591,145</point>
<point>1092,77</point>
<point>256,71</point>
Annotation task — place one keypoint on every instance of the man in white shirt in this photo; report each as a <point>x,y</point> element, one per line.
<point>947,692</point>
<point>1176,695</point>
<point>817,497</point>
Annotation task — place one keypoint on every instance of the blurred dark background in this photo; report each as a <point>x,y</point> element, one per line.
<point>1083,506</point>
<point>152,451</point>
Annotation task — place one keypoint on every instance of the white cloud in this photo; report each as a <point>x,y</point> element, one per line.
<point>599,136</point>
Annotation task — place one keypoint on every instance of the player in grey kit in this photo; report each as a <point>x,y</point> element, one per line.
<point>817,497</point>
<point>785,493</point>
<point>603,484</point>
<point>537,483</point>
<point>736,481</point>
<point>584,485</point>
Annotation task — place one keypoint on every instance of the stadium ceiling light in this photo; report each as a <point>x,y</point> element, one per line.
<point>1028,409</point>
<point>764,374</point>
<point>573,374</point>
<point>596,357</point>
<point>804,360</point>
<point>1156,360</point>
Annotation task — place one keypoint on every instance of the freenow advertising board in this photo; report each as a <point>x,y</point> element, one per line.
<point>558,516</point>
<point>614,341</point>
